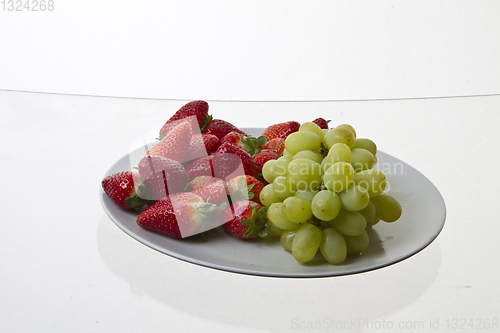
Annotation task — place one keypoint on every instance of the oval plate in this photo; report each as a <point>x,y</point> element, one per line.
<point>422,220</point>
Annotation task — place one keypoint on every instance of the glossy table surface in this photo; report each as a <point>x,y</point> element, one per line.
<point>65,266</point>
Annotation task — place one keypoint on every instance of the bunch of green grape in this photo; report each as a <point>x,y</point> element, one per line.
<point>324,193</point>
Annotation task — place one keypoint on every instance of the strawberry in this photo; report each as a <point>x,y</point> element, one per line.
<point>201,167</point>
<point>175,144</point>
<point>276,144</point>
<point>214,191</point>
<point>119,187</point>
<point>281,130</point>
<point>196,109</point>
<point>264,156</point>
<point>177,215</point>
<point>322,123</point>
<point>201,181</point>
<point>246,188</point>
<point>221,128</point>
<point>202,145</point>
<point>233,161</point>
<point>162,176</point>
<point>245,220</point>
<point>248,143</point>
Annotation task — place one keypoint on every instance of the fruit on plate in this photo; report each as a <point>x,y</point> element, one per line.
<point>162,176</point>
<point>281,130</point>
<point>248,143</point>
<point>315,188</point>
<point>177,215</point>
<point>220,128</point>
<point>231,161</point>
<point>175,145</point>
<point>245,220</point>
<point>324,194</point>
<point>195,109</point>
<point>202,145</point>
<point>119,187</point>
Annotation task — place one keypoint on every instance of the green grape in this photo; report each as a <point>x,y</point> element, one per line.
<point>308,195</point>
<point>357,244</point>
<point>349,223</point>
<point>387,208</point>
<point>332,246</point>
<point>304,173</point>
<point>275,215</point>
<point>339,135</point>
<point>326,205</point>
<point>296,209</point>
<point>283,188</point>
<point>368,212</point>
<point>366,144</point>
<point>268,171</point>
<point>354,198</point>
<point>310,155</point>
<point>324,130</point>
<point>338,176</point>
<point>373,180</point>
<point>306,242</point>
<point>368,228</point>
<point>375,221</point>
<point>267,196</point>
<point>286,153</point>
<point>274,230</point>
<point>312,127</point>
<point>302,140</point>
<point>286,239</point>
<point>281,165</point>
<point>339,152</point>
<point>362,159</point>
<point>348,127</point>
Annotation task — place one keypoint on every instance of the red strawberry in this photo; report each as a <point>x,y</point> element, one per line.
<point>246,142</point>
<point>215,191</point>
<point>201,167</point>
<point>162,176</point>
<point>264,156</point>
<point>232,161</point>
<point>245,220</point>
<point>196,109</point>
<point>276,144</point>
<point>322,123</point>
<point>201,181</point>
<point>246,188</point>
<point>281,130</point>
<point>202,145</point>
<point>177,215</point>
<point>119,187</point>
<point>221,128</point>
<point>175,144</point>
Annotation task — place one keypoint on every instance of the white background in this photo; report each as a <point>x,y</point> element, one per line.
<point>253,50</point>
<point>64,266</point>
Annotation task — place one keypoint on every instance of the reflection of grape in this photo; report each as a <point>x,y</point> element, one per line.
<point>306,242</point>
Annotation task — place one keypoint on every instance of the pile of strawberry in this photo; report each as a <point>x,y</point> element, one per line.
<point>203,173</point>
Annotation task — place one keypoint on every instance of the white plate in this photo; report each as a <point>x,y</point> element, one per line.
<point>422,220</point>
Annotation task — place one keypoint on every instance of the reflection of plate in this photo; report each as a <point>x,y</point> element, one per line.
<point>422,220</point>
